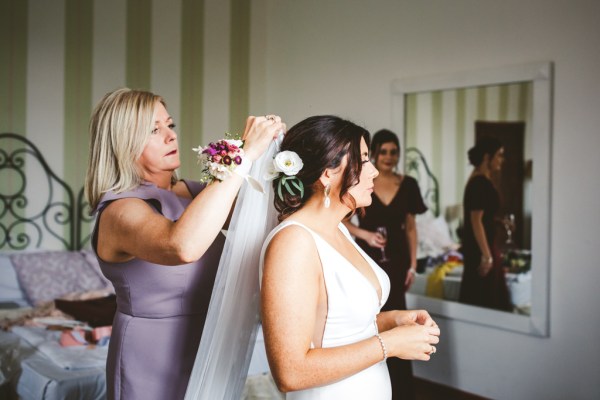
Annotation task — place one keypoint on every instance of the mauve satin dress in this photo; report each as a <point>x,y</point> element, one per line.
<point>160,310</point>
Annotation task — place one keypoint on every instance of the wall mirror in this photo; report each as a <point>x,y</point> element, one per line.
<point>438,119</point>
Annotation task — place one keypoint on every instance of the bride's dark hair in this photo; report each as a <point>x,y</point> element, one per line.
<point>322,142</point>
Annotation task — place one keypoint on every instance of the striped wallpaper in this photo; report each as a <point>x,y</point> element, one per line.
<point>59,57</point>
<point>442,125</point>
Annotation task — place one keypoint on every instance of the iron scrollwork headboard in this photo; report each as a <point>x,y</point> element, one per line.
<point>37,208</point>
<point>417,167</point>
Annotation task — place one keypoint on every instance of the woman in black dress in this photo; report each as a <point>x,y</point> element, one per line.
<point>483,282</point>
<point>396,201</point>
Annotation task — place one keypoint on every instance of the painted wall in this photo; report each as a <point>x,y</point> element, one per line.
<point>340,56</point>
<point>307,57</point>
<point>59,57</point>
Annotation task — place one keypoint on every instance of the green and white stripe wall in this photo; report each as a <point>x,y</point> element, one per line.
<point>442,125</point>
<point>59,57</point>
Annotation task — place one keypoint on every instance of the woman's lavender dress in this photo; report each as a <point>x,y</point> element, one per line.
<point>160,311</point>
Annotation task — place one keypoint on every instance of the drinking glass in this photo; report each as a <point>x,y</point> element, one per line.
<point>382,230</point>
<point>509,226</point>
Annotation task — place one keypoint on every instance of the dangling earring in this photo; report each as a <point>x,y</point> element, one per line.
<point>327,201</point>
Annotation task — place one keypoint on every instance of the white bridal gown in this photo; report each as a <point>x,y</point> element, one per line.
<point>353,304</point>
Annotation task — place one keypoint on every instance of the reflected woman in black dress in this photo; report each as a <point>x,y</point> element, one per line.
<point>483,282</point>
<point>396,201</point>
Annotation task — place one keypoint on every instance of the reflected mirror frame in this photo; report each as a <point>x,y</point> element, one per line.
<point>540,74</point>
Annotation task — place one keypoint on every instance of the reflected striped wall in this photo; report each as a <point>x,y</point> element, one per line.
<point>59,57</point>
<point>442,125</point>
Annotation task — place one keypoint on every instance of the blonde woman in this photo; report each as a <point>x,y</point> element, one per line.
<point>321,295</point>
<point>157,239</point>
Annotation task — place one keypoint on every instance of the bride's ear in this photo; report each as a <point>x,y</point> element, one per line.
<point>327,176</point>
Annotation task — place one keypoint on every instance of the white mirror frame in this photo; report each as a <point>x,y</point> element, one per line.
<point>540,74</point>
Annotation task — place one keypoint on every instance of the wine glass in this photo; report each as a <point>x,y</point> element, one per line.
<point>382,230</point>
<point>509,226</point>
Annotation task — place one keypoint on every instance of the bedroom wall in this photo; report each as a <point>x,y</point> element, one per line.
<point>59,57</point>
<point>340,57</point>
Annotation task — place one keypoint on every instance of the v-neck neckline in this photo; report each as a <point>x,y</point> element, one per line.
<point>378,290</point>
<point>402,178</point>
<point>393,197</point>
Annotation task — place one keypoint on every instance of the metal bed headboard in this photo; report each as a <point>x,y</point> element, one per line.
<point>417,167</point>
<point>36,206</point>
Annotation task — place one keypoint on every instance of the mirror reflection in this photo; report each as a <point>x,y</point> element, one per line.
<point>475,240</point>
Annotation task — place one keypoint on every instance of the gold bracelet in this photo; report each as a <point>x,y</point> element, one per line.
<point>382,346</point>
<point>487,260</point>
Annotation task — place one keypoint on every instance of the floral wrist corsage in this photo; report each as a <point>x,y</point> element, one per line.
<point>286,165</point>
<point>219,160</point>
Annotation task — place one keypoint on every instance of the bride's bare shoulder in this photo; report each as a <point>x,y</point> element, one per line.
<point>291,261</point>
<point>294,243</point>
<point>292,235</point>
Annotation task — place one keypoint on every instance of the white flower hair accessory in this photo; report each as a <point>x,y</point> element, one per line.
<point>286,166</point>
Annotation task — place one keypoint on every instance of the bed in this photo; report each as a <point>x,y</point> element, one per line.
<point>43,258</point>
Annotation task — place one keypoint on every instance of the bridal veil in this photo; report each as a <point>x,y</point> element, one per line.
<point>227,342</point>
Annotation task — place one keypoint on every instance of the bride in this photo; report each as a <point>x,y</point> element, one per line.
<point>321,295</point>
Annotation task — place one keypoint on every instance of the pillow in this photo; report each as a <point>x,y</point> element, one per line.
<point>443,231</point>
<point>434,236</point>
<point>10,291</point>
<point>47,275</point>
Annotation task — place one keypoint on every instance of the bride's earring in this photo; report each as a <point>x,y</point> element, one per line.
<point>327,201</point>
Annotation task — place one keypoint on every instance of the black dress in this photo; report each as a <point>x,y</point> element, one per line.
<point>407,200</point>
<point>491,290</point>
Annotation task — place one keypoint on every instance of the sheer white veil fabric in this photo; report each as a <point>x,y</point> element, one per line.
<point>229,334</point>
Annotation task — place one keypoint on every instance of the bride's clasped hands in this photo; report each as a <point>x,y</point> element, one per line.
<point>413,337</point>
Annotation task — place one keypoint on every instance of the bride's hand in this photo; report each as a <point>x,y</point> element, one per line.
<point>259,133</point>
<point>420,317</point>
<point>411,342</point>
<point>391,319</point>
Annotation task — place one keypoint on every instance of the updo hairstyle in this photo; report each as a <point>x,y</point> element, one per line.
<point>322,142</point>
<point>485,145</point>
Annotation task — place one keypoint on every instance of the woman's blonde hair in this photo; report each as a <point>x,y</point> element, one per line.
<point>120,127</point>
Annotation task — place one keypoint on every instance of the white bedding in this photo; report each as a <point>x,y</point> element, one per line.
<point>34,376</point>
<point>68,358</point>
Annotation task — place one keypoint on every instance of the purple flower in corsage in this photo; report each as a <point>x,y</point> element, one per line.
<point>219,159</point>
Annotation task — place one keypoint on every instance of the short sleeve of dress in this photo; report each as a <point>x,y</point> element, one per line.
<point>415,200</point>
<point>477,194</point>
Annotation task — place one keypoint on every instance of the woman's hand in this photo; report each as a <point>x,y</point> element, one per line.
<point>410,278</point>
<point>375,239</point>
<point>387,320</point>
<point>409,317</point>
<point>259,133</point>
<point>412,341</point>
<point>485,266</point>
